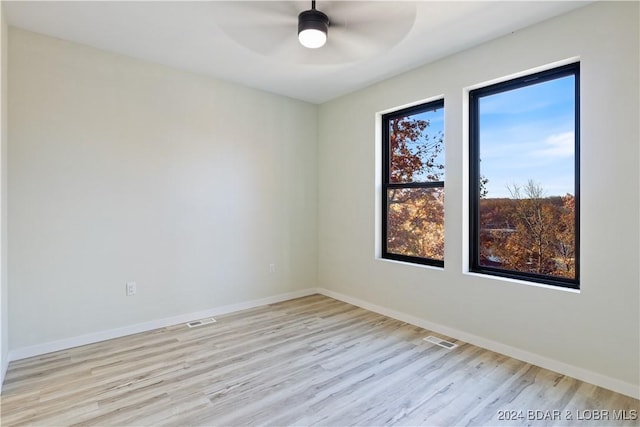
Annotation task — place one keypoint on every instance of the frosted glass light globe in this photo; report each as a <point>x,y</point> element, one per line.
<point>312,38</point>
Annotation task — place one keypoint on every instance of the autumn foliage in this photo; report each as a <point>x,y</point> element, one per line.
<point>414,152</point>
<point>415,216</point>
<point>529,232</point>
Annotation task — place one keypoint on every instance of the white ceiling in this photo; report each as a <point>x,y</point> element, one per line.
<point>255,43</point>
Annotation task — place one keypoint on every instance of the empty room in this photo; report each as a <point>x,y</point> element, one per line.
<point>372,213</point>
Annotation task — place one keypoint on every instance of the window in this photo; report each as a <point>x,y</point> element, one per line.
<point>524,177</point>
<point>413,184</point>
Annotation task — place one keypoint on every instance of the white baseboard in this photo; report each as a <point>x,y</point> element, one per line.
<point>64,344</point>
<point>604,381</point>
<point>535,359</point>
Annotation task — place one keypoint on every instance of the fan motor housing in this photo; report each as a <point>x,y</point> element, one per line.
<point>313,20</point>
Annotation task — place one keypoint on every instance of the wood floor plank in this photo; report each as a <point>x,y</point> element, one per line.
<point>309,361</point>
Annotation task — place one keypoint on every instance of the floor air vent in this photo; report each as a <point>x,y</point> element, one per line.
<point>201,322</point>
<point>442,343</point>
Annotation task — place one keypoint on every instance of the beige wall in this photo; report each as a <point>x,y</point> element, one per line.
<point>122,170</point>
<point>597,330</point>
<point>4,308</point>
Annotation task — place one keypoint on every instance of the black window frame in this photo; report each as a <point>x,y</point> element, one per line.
<point>387,185</point>
<point>572,69</point>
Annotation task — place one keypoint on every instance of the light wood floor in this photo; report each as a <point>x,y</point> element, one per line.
<point>309,361</point>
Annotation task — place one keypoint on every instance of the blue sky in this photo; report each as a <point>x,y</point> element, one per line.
<point>436,127</point>
<point>526,134</point>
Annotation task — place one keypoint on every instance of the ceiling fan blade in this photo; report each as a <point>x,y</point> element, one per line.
<point>235,13</point>
<point>357,30</point>
<point>375,20</point>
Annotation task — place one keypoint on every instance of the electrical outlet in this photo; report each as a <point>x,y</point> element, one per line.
<point>272,268</point>
<point>131,288</point>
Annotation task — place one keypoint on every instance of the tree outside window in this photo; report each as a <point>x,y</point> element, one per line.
<point>413,184</point>
<point>524,146</point>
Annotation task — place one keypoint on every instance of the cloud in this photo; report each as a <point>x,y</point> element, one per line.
<point>558,145</point>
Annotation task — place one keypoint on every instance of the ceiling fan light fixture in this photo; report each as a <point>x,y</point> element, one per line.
<point>313,26</point>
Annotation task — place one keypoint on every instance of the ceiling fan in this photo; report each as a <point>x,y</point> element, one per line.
<point>313,26</point>
<point>357,29</point>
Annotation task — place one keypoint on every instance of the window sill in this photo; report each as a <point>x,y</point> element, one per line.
<point>411,264</point>
<point>522,282</point>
